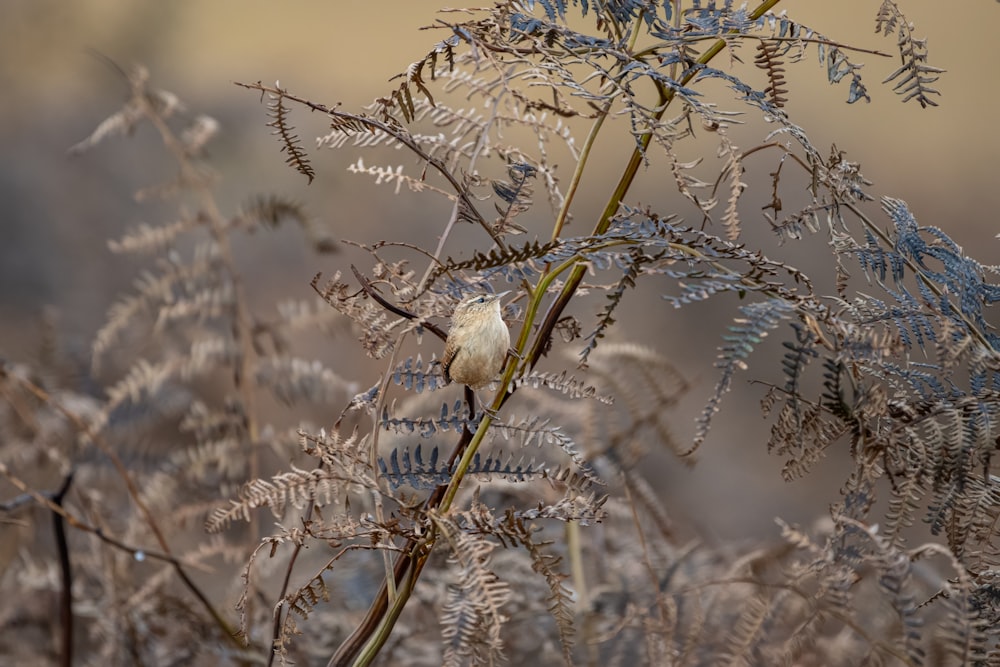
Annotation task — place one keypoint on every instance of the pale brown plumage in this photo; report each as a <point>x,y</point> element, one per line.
<point>478,342</point>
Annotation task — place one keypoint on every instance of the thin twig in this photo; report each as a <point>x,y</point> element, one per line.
<point>66,577</point>
<point>276,627</point>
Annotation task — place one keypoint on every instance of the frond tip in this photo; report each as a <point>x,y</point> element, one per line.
<point>295,488</point>
<point>291,145</point>
<point>745,334</point>
<point>914,76</point>
<point>769,59</point>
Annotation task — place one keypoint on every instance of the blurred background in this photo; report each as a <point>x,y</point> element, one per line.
<point>59,212</point>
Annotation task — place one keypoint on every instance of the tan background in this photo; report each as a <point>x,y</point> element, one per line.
<point>58,212</point>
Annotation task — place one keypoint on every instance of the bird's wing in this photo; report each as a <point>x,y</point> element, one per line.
<point>450,352</point>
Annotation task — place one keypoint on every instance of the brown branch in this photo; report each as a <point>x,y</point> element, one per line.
<point>370,290</point>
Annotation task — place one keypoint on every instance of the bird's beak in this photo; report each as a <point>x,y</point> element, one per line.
<point>502,294</point>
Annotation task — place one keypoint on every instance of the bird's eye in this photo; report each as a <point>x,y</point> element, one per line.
<point>481,299</point>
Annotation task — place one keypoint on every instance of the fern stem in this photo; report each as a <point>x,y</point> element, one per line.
<point>463,464</point>
<point>381,635</point>
<point>588,145</point>
<point>581,164</point>
<point>575,551</point>
<point>614,202</point>
<point>656,46</point>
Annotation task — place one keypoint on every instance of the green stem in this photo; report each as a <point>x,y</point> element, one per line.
<point>381,635</point>
<point>588,145</point>
<point>574,182</point>
<point>617,196</point>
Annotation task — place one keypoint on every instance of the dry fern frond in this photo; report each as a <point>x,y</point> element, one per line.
<point>914,77</point>
<point>687,183</point>
<point>149,239</point>
<point>378,332</point>
<point>768,58</point>
<point>472,617</point>
<point>733,170</point>
<point>745,333</point>
<point>123,121</point>
<point>142,101</point>
<point>401,98</point>
<point>153,291</point>
<point>295,488</point>
<point>633,264</point>
<point>414,376</point>
<point>395,175</point>
<point>294,381</point>
<point>290,143</point>
<point>272,210</point>
<point>563,383</point>
<point>205,304</point>
<point>645,384</point>
<point>198,133</point>
<point>535,431</point>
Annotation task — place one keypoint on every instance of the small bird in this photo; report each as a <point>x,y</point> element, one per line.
<point>478,342</point>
